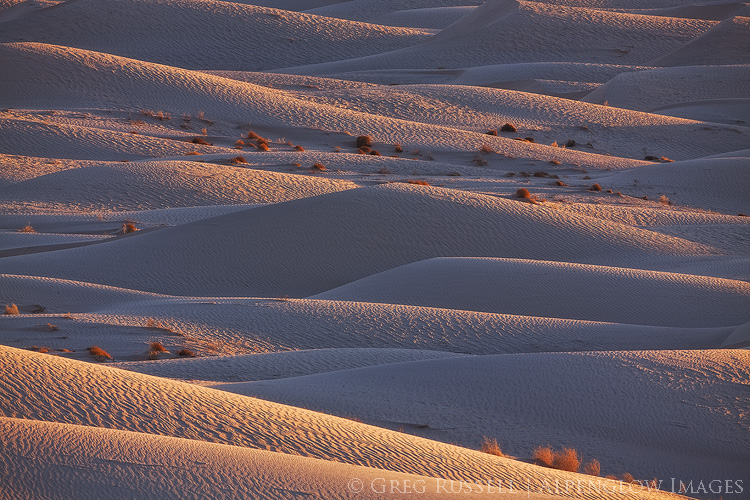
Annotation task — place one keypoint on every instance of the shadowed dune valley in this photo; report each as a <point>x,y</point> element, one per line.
<point>374,249</point>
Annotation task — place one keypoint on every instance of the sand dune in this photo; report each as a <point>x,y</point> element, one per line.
<point>717,184</point>
<point>535,32</point>
<point>647,90</point>
<point>311,245</point>
<point>206,33</point>
<point>691,418</point>
<point>716,11</point>
<point>162,184</point>
<point>120,464</point>
<point>78,393</point>
<point>722,44</point>
<point>533,288</point>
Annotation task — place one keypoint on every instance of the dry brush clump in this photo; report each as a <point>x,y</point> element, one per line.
<point>567,459</point>
<point>99,354</point>
<point>129,227</point>
<point>491,446</point>
<point>237,160</point>
<point>508,128</point>
<point>201,141</point>
<point>27,229</point>
<point>544,455</point>
<point>523,193</point>
<point>364,141</point>
<point>417,182</point>
<point>11,310</point>
<point>186,353</point>
<point>318,167</point>
<point>595,187</point>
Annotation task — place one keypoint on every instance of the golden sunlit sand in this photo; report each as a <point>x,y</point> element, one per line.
<point>374,249</point>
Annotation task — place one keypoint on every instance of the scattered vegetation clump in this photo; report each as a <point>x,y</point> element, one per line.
<point>237,160</point>
<point>319,167</point>
<point>523,193</point>
<point>418,182</point>
<point>508,128</point>
<point>200,140</point>
<point>567,459</point>
<point>129,227</point>
<point>570,143</point>
<point>192,153</point>
<point>665,200</point>
<point>363,150</point>
<point>397,147</point>
<point>299,148</point>
<point>540,173</point>
<point>263,146</point>
<point>99,354</point>
<point>253,135</point>
<point>36,348</point>
<point>364,140</point>
<point>490,446</point>
<point>555,162</point>
<point>186,353</point>
<point>11,310</point>
<point>486,149</point>
<point>561,183</point>
<point>157,346</point>
<point>664,159</point>
<point>491,131</point>
<point>595,187</point>
<point>239,144</point>
<point>27,229</point>
<point>628,478</point>
<point>375,152</point>
<point>544,455</point>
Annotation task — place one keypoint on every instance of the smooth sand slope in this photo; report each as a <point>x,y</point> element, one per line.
<point>722,44</point>
<point>71,392</point>
<point>205,33</point>
<point>72,461</point>
<point>557,290</point>
<point>691,406</point>
<point>307,246</point>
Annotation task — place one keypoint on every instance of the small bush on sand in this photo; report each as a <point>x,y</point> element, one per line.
<point>253,135</point>
<point>319,167</point>
<point>523,193</point>
<point>11,310</point>
<point>238,160</point>
<point>486,149</point>
<point>397,147</point>
<point>27,229</point>
<point>375,152</point>
<point>491,132</point>
<point>99,354</point>
<point>239,144</point>
<point>567,459</point>
<point>263,146</point>
<point>364,140</point>
<point>544,455</point>
<point>299,148</point>
<point>665,200</point>
<point>157,346</point>
<point>595,187</point>
<point>592,467</point>
<point>185,353</point>
<point>508,128</point>
<point>418,182</point>
<point>540,173</point>
<point>560,183</point>
<point>490,446</point>
<point>129,227</point>
<point>628,478</point>
<point>200,140</point>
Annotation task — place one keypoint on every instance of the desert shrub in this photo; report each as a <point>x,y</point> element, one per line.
<point>628,478</point>
<point>253,135</point>
<point>319,167</point>
<point>27,229</point>
<point>98,353</point>
<point>539,173</point>
<point>544,455</point>
<point>595,187</point>
<point>239,144</point>
<point>560,183</point>
<point>11,310</point>
<point>263,146</point>
<point>200,140</point>
<point>129,227</point>
<point>364,140</point>
<point>299,148</point>
<point>192,153</point>
<point>418,182</point>
<point>523,193</point>
<point>592,467</point>
<point>610,476</point>
<point>397,147</point>
<point>486,149</point>
<point>186,353</point>
<point>237,160</point>
<point>570,143</point>
<point>567,459</point>
<point>491,132</point>
<point>363,150</point>
<point>508,128</point>
<point>490,446</point>
<point>555,162</point>
<point>665,200</point>
<point>375,152</point>
<point>651,158</point>
<point>157,346</point>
